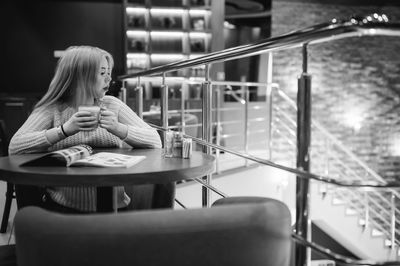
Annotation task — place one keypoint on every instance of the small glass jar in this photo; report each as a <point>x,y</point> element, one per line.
<point>177,145</point>
<point>168,143</point>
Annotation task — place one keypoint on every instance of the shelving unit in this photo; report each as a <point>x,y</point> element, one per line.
<point>161,32</point>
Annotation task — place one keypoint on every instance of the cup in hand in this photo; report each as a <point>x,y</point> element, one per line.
<point>95,110</point>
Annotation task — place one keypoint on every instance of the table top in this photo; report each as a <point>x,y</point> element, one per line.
<point>155,169</point>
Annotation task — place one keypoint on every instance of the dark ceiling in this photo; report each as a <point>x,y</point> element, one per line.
<point>348,2</point>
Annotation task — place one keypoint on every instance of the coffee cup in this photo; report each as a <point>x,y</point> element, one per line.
<point>95,110</point>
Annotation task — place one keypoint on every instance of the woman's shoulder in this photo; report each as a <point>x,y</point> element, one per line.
<point>51,108</point>
<point>111,100</point>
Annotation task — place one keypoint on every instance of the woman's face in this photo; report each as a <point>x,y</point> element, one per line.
<point>103,78</point>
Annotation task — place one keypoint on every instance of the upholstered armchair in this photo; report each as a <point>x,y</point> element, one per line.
<point>235,231</point>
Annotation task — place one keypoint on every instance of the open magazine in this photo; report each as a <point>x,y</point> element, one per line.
<point>82,155</point>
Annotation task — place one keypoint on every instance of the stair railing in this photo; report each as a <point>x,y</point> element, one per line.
<point>370,25</point>
<point>392,228</point>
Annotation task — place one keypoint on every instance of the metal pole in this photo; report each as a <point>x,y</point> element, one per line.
<point>324,187</point>
<point>139,98</point>
<point>218,125</point>
<point>268,99</point>
<point>393,222</point>
<point>164,106</point>
<point>207,129</point>
<point>183,99</point>
<point>366,217</point>
<point>123,91</point>
<point>124,36</point>
<point>303,159</point>
<point>268,104</point>
<point>326,156</point>
<point>246,121</point>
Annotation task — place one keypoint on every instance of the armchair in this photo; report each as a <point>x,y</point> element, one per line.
<point>256,232</point>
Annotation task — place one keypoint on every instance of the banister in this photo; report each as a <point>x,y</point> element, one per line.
<point>335,141</point>
<point>370,25</point>
<point>297,171</point>
<point>355,27</point>
<point>338,257</point>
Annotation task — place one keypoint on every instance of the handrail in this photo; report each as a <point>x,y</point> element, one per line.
<point>354,174</point>
<point>297,238</point>
<point>371,172</point>
<point>370,25</point>
<point>338,257</point>
<point>378,215</point>
<point>355,27</point>
<point>338,143</point>
<point>301,173</point>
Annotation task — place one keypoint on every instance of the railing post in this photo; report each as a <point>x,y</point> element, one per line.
<point>246,120</point>
<point>122,94</point>
<point>366,217</point>
<point>207,128</point>
<point>268,99</point>
<point>393,222</point>
<point>183,99</point>
<point>218,125</point>
<point>139,98</point>
<point>268,103</point>
<point>326,156</point>
<point>303,159</point>
<point>164,107</point>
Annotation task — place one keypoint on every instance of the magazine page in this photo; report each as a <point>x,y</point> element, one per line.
<point>109,159</point>
<point>64,157</point>
<point>74,153</point>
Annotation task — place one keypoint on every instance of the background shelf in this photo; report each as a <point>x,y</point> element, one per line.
<point>160,32</point>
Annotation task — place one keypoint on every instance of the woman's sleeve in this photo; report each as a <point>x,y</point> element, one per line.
<point>140,134</point>
<point>31,137</point>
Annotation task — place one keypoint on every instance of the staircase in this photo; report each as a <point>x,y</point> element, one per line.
<point>344,224</point>
<point>366,222</point>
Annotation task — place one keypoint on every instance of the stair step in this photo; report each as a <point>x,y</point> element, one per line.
<point>362,222</point>
<point>323,263</point>
<point>351,211</point>
<point>323,189</point>
<point>337,201</point>
<point>376,232</point>
<point>388,243</point>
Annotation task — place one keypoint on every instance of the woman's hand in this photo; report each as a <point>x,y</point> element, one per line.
<point>81,121</point>
<point>109,121</point>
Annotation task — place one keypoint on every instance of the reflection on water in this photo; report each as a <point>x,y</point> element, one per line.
<point>356,82</point>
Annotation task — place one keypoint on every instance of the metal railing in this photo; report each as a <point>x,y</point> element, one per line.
<point>335,162</point>
<point>343,162</point>
<point>370,25</point>
<point>318,248</point>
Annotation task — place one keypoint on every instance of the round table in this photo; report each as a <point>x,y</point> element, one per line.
<point>155,169</point>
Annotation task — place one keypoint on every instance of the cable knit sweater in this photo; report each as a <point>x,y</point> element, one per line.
<point>31,137</point>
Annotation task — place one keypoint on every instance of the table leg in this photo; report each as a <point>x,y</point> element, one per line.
<point>115,199</point>
<point>105,199</point>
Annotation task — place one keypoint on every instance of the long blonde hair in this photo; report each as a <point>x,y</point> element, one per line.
<point>75,76</point>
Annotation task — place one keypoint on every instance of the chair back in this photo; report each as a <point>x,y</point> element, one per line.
<point>4,139</point>
<point>14,111</point>
<point>257,234</point>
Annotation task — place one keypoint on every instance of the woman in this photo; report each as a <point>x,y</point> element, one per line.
<point>82,78</point>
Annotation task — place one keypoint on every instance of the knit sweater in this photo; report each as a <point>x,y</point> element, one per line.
<point>31,137</point>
